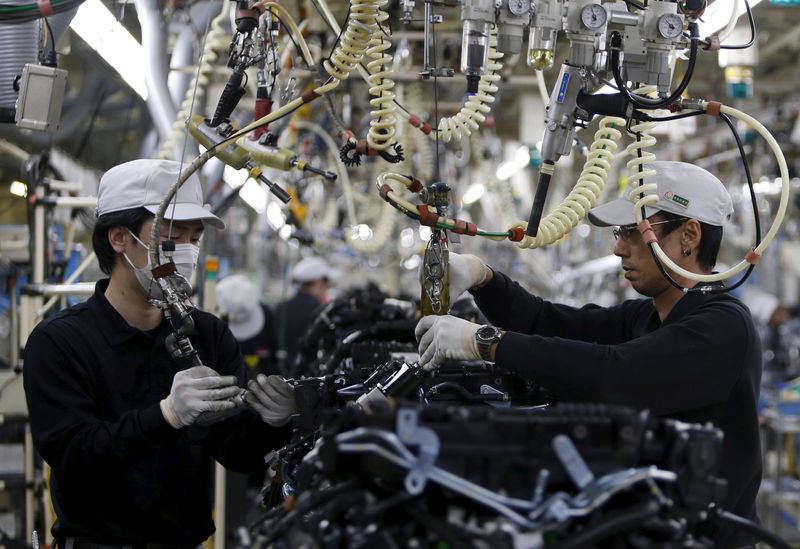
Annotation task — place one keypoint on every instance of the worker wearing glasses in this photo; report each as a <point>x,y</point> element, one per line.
<point>694,356</point>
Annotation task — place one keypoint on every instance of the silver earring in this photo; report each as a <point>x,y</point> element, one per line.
<point>687,253</point>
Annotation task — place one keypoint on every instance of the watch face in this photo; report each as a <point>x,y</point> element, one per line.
<point>593,16</point>
<point>670,25</point>
<point>487,333</point>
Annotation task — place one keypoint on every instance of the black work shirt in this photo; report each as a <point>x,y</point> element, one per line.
<point>701,364</point>
<point>293,319</point>
<point>121,474</point>
<point>259,351</point>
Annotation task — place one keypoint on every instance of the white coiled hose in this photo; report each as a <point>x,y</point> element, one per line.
<point>216,40</point>
<point>382,126</point>
<point>751,257</point>
<point>640,156</point>
<point>478,105</point>
<point>347,55</point>
<point>361,25</point>
<point>587,190</point>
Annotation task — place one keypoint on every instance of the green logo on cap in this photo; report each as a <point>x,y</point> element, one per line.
<point>680,200</point>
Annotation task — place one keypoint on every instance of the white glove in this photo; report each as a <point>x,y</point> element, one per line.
<point>466,271</point>
<point>445,337</point>
<point>272,398</point>
<point>197,390</point>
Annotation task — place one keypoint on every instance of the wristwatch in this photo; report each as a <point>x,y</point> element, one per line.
<point>486,336</point>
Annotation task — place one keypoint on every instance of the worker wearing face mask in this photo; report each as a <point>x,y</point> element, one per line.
<point>130,435</point>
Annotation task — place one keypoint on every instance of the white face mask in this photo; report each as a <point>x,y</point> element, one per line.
<point>185,258</point>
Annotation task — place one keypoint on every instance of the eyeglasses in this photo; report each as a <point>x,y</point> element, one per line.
<point>624,232</point>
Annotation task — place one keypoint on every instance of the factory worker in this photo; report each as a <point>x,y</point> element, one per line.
<point>129,434</point>
<point>694,357</point>
<point>313,277</point>
<point>250,321</point>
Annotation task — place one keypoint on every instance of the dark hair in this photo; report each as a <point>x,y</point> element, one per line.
<point>710,239</point>
<point>132,219</point>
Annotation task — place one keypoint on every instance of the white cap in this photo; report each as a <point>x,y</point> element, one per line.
<point>683,189</point>
<point>313,268</point>
<point>239,299</point>
<point>144,183</point>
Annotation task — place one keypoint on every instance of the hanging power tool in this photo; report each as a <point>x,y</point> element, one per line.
<point>606,40</point>
<point>233,154</point>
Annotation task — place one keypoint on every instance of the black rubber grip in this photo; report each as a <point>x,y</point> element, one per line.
<point>230,97</point>
<point>538,204</point>
<point>282,195</point>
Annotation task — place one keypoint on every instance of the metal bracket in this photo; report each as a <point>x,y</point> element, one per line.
<point>410,433</point>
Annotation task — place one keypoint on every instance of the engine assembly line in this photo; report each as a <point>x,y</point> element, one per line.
<point>372,273</point>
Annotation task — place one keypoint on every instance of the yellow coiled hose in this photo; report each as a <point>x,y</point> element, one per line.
<point>382,126</point>
<point>587,190</point>
<point>640,156</point>
<point>477,106</point>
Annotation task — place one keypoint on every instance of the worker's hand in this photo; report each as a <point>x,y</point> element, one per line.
<point>445,337</point>
<point>272,398</point>
<point>209,418</point>
<point>466,271</point>
<point>197,390</point>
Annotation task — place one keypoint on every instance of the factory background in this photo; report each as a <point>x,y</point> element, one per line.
<point>334,149</point>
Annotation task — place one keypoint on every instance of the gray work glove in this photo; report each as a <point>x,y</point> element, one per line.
<point>466,271</point>
<point>195,391</point>
<point>445,338</point>
<point>272,398</point>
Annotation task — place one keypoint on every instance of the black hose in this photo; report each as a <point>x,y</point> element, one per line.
<point>729,519</point>
<point>644,103</point>
<point>611,525</point>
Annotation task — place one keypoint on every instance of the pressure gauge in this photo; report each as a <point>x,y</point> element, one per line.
<point>519,7</point>
<point>593,16</point>
<point>670,25</point>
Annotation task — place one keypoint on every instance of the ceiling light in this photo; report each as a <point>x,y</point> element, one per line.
<point>473,193</point>
<point>101,30</point>
<point>18,188</point>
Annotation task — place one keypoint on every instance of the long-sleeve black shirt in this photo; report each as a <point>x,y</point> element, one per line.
<point>120,473</point>
<point>701,364</point>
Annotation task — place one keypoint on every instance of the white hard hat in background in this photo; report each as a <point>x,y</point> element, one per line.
<point>240,300</point>
<point>313,268</point>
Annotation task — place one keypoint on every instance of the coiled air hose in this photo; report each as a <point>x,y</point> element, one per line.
<point>216,40</point>
<point>587,190</point>
<point>478,105</point>
<point>383,118</point>
<point>641,157</point>
<point>348,53</point>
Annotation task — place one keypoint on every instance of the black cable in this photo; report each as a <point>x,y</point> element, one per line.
<point>611,525</point>
<point>729,519</point>
<point>635,4</point>
<point>642,102</point>
<point>753,33</point>
<point>296,45</point>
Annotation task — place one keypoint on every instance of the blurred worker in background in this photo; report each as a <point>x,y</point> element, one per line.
<point>252,324</point>
<point>313,277</point>
<point>695,356</point>
<point>129,434</point>
<point>250,321</point>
